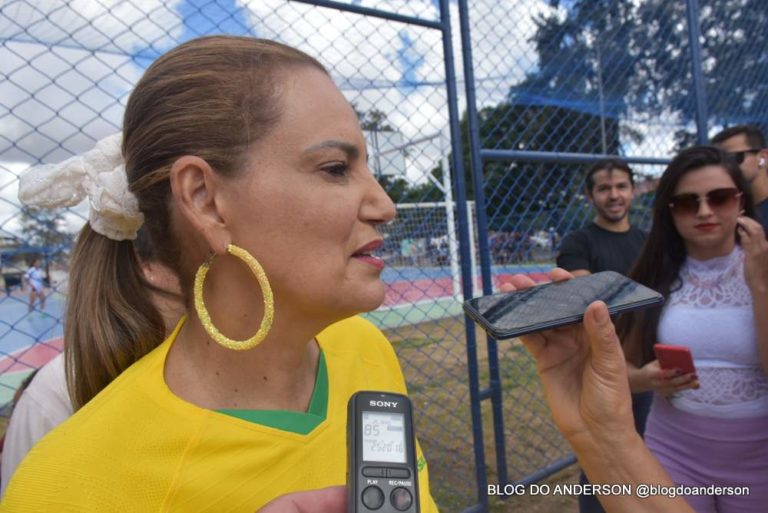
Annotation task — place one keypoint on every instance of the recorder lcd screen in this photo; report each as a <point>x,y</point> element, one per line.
<point>384,437</point>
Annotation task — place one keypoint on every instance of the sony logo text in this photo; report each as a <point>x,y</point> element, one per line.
<point>384,404</point>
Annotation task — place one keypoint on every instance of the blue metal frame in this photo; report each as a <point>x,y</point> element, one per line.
<point>478,157</point>
<point>367,11</point>
<point>460,194</point>
<point>562,157</point>
<point>493,392</point>
<point>694,35</point>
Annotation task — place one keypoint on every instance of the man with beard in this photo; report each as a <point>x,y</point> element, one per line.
<point>608,243</point>
<point>746,143</point>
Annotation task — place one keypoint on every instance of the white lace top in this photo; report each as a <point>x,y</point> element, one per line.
<point>712,314</point>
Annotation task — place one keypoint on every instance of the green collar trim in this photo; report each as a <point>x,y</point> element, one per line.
<point>293,421</point>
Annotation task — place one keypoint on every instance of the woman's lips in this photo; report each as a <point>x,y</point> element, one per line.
<point>706,227</point>
<point>371,260</point>
<point>364,254</point>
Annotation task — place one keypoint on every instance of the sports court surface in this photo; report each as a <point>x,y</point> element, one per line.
<point>414,294</point>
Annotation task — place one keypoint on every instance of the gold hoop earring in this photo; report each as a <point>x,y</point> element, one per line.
<point>266,291</point>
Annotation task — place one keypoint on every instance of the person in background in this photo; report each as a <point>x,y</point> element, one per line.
<point>45,403</point>
<point>746,143</point>
<point>708,257</point>
<point>35,276</point>
<point>249,169</point>
<point>608,243</point>
<point>14,403</point>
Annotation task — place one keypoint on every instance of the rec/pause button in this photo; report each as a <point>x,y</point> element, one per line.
<point>401,499</point>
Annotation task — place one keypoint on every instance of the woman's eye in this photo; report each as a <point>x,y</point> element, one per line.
<point>336,169</point>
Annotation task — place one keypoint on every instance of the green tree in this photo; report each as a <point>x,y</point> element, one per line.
<point>44,228</point>
<point>373,120</point>
<point>397,187</point>
<point>642,51</point>
<point>600,61</point>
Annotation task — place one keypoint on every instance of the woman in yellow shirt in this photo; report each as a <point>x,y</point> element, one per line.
<point>248,167</point>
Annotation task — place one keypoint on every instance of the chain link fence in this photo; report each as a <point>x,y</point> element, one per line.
<point>559,84</point>
<point>556,84</point>
<point>68,68</point>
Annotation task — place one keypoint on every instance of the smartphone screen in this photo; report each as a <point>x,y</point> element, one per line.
<point>511,314</point>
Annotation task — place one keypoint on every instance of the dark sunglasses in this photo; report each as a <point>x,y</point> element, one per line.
<point>717,199</point>
<point>741,155</point>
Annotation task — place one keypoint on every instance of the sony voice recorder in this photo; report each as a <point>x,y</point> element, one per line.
<point>382,474</point>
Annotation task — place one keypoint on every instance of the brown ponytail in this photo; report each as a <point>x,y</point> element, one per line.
<point>211,97</point>
<point>110,321</point>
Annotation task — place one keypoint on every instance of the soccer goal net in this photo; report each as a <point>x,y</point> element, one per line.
<point>423,260</point>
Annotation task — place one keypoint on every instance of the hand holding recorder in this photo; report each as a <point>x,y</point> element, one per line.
<point>324,500</point>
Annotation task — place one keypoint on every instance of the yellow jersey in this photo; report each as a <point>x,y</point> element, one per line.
<point>137,447</point>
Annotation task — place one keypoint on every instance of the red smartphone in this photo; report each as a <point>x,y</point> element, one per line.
<point>674,357</point>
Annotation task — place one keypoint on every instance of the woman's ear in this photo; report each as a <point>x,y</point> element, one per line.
<point>196,190</point>
<point>762,159</point>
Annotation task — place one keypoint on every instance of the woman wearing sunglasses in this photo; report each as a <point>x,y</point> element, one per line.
<point>709,259</point>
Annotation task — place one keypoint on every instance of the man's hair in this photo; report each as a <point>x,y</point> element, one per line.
<point>607,165</point>
<point>755,137</point>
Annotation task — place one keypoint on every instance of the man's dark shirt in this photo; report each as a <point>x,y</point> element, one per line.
<point>762,214</point>
<point>596,249</point>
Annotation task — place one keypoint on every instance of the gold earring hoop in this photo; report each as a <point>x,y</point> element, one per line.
<point>266,291</point>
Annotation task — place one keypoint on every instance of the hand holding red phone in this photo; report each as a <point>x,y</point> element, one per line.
<point>672,371</point>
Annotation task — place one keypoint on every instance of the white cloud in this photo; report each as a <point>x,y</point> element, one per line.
<point>362,53</point>
<point>68,68</point>
<point>9,204</point>
<point>105,25</point>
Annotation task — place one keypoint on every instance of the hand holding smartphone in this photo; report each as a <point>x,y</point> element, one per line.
<point>551,305</point>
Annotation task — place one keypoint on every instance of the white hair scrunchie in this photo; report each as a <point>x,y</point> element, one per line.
<point>98,174</point>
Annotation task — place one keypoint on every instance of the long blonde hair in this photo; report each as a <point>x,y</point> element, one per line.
<point>211,97</point>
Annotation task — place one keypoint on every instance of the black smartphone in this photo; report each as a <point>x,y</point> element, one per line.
<point>551,305</point>
<point>382,475</point>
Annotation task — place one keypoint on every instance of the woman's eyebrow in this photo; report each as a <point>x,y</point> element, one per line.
<point>350,149</point>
